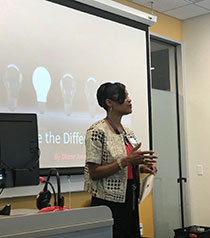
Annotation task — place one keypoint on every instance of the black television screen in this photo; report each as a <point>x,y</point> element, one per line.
<point>19,150</point>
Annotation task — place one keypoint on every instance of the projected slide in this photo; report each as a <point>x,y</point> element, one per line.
<point>53,59</point>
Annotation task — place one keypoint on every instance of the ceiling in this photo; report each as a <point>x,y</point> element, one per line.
<point>180,9</point>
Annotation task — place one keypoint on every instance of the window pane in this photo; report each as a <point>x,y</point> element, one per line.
<point>163,65</point>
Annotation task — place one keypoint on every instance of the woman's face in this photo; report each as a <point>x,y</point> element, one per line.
<point>124,108</point>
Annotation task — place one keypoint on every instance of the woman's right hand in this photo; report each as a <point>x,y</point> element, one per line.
<point>137,156</point>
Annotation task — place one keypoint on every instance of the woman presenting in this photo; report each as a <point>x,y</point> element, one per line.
<point>114,160</point>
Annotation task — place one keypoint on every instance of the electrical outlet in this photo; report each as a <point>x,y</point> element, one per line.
<point>199,169</point>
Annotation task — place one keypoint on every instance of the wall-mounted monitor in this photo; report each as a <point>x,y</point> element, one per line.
<point>19,150</point>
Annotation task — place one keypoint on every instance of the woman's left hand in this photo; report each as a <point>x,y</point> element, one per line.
<point>148,168</point>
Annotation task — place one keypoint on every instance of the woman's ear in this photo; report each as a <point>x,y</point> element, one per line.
<point>108,103</point>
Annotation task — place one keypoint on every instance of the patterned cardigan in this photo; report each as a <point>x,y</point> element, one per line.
<point>104,147</point>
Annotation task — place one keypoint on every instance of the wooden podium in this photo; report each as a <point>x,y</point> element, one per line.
<point>89,222</point>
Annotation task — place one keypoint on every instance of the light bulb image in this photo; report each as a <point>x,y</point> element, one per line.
<point>68,89</point>
<point>12,81</point>
<point>90,92</point>
<point>42,82</point>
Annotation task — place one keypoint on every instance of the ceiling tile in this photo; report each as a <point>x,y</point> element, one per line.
<point>193,1</point>
<point>205,4</point>
<point>186,12</point>
<point>161,5</point>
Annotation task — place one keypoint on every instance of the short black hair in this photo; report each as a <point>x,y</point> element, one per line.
<point>112,91</point>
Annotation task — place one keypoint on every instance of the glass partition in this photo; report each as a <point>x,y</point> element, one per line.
<point>167,192</point>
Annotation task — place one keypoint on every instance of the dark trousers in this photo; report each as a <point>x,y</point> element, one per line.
<point>126,219</point>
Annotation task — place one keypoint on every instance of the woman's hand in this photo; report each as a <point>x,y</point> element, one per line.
<point>149,169</point>
<point>137,157</point>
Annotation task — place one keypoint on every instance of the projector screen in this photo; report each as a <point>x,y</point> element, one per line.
<point>53,59</point>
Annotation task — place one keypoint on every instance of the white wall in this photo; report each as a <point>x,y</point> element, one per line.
<point>196,32</point>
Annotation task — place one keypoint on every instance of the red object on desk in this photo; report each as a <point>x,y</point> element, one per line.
<point>192,235</point>
<point>53,209</point>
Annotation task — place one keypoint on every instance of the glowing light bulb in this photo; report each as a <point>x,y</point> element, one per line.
<point>90,92</point>
<point>68,89</point>
<point>42,82</point>
<point>12,81</point>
